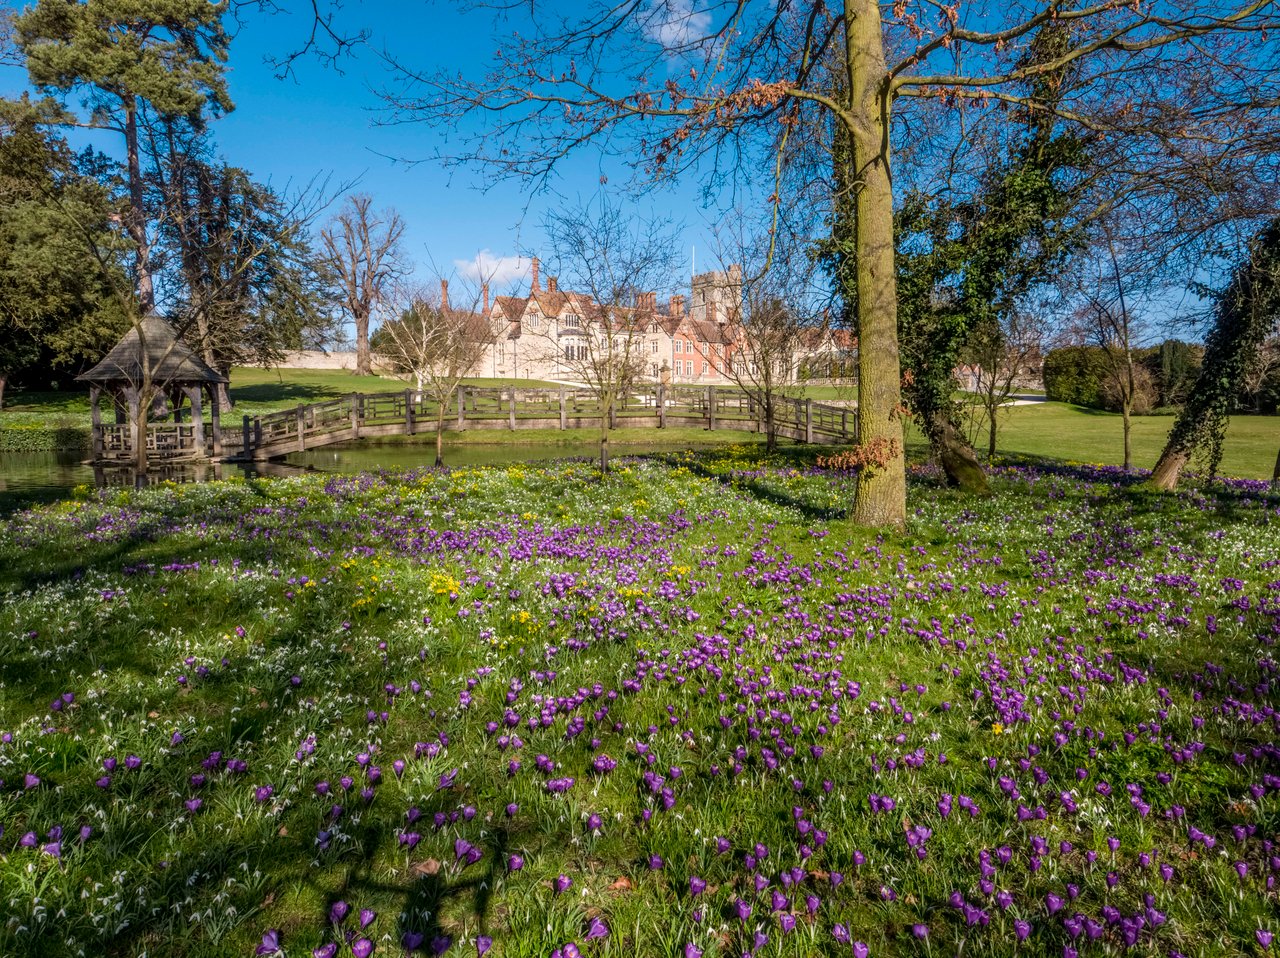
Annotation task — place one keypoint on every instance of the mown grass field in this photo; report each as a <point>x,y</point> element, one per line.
<point>683,709</point>
<point>1054,430</point>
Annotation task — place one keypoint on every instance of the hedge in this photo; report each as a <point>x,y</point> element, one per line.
<point>43,437</point>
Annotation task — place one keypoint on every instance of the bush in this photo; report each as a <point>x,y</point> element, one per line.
<point>60,436</point>
<point>1075,374</point>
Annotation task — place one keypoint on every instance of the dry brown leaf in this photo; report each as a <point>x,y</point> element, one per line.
<point>622,884</point>
<point>428,867</point>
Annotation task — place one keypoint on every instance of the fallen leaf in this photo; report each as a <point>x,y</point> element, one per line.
<point>622,884</point>
<point>429,867</point>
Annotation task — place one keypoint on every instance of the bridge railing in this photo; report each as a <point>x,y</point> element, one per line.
<point>344,417</point>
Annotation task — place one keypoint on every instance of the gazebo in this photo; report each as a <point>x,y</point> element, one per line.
<point>175,373</point>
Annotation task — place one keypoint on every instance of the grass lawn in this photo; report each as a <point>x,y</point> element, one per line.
<point>1055,430</point>
<point>1072,433</point>
<point>681,710</point>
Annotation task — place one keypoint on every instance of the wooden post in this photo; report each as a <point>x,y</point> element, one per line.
<point>564,416</point>
<point>257,437</point>
<point>512,410</point>
<point>197,424</point>
<point>462,406</point>
<point>95,397</point>
<point>355,415</point>
<point>409,398</point>
<point>662,405</point>
<point>302,428</point>
<point>215,415</point>
<point>808,420</point>
<point>711,408</point>
<point>247,448</point>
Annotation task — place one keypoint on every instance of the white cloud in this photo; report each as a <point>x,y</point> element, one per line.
<point>500,272</point>
<point>676,23</point>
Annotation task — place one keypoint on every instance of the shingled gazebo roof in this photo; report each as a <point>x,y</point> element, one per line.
<point>169,359</point>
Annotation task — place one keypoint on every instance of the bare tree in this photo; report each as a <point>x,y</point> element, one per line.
<point>614,264</point>
<point>435,343</point>
<point>772,320</point>
<point>363,250</point>
<point>1000,355</point>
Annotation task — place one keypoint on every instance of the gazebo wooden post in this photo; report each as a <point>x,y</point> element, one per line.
<point>95,397</point>
<point>215,413</point>
<point>197,421</point>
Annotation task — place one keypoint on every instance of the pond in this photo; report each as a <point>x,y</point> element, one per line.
<point>27,478</point>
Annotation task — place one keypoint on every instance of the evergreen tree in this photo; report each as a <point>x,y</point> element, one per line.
<point>126,56</point>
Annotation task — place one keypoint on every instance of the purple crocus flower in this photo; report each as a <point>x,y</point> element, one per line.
<point>1264,937</point>
<point>270,943</point>
<point>691,950</point>
<point>362,948</point>
<point>338,911</point>
<point>440,944</point>
<point>841,933</point>
<point>483,944</point>
<point>596,929</point>
<point>325,951</point>
<point>515,863</point>
<point>561,884</point>
<point>367,917</point>
<point>697,886</point>
<point>30,781</point>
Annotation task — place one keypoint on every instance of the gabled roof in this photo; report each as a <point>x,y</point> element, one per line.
<point>168,359</point>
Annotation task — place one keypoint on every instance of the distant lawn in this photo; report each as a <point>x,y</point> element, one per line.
<point>254,391</point>
<point>1061,431</point>
<point>1054,430</point>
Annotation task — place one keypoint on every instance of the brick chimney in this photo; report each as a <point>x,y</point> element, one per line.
<point>677,306</point>
<point>553,284</point>
<point>444,294</point>
<point>484,291</point>
<point>534,284</point>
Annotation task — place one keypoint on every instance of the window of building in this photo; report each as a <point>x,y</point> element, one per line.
<point>573,320</point>
<point>653,367</point>
<point>679,345</point>
<point>653,347</point>
<point>535,320</point>
<point>704,369</point>
<point>679,367</point>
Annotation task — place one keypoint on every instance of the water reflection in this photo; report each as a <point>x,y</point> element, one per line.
<point>28,478</point>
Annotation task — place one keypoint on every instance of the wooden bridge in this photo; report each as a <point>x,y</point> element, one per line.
<point>366,415</point>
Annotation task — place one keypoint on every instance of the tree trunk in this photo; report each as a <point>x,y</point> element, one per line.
<point>604,435</point>
<point>363,364</point>
<point>141,412</point>
<point>136,221</point>
<point>1275,476</point>
<point>4,379</point>
<point>958,460</point>
<point>770,431</point>
<point>1164,477</point>
<point>993,410</point>
<point>1128,425</point>
<point>880,498</point>
<point>440,407</point>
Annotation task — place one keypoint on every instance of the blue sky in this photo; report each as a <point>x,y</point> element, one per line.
<point>325,123</point>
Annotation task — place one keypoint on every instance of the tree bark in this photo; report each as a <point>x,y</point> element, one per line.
<point>1164,477</point>
<point>993,410</point>
<point>958,460</point>
<point>363,364</point>
<point>1128,425</point>
<point>4,379</point>
<point>137,219</point>
<point>440,407</point>
<point>1275,475</point>
<point>880,498</point>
